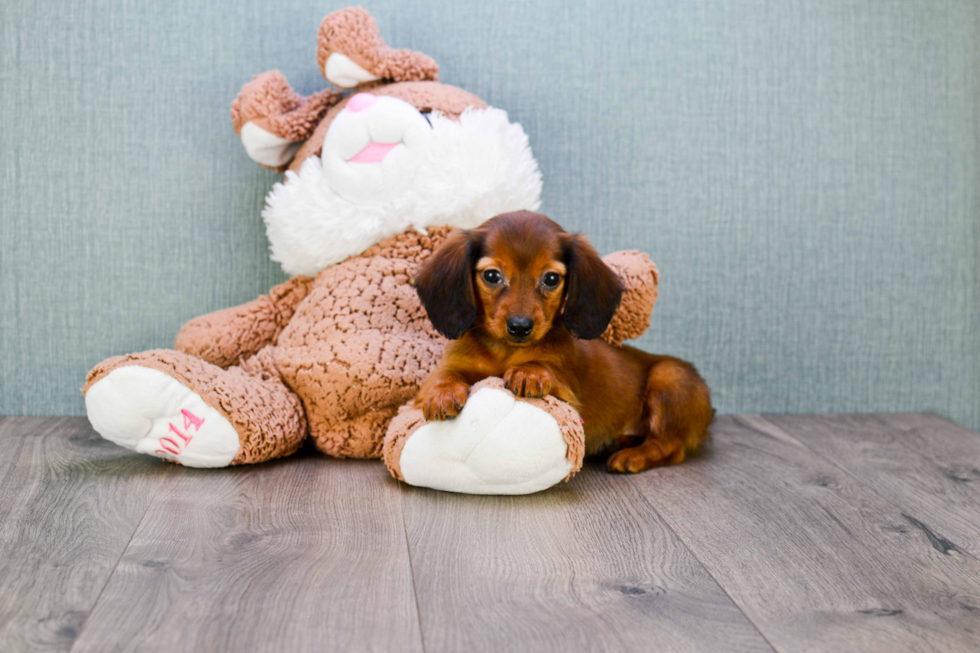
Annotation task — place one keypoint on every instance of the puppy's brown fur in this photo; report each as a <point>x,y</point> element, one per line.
<point>483,287</point>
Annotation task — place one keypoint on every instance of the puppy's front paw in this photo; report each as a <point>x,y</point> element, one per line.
<point>443,401</point>
<point>528,380</point>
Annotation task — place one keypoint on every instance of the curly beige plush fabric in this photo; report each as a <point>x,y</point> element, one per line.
<point>353,33</point>
<point>277,108</point>
<point>640,280</point>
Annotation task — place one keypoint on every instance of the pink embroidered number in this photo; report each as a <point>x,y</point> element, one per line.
<point>186,438</point>
<point>169,445</point>
<point>190,418</point>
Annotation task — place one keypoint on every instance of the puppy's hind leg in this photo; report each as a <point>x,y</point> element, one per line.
<point>678,411</point>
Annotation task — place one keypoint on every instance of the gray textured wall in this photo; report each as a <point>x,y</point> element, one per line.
<point>804,173</point>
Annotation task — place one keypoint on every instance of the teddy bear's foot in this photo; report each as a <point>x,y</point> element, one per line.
<point>498,444</point>
<point>351,52</point>
<point>174,406</point>
<point>145,410</point>
<point>273,120</point>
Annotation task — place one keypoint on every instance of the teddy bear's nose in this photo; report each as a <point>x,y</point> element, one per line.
<point>361,101</point>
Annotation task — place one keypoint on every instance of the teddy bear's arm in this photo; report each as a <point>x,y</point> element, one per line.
<point>273,120</point>
<point>225,337</point>
<point>640,278</point>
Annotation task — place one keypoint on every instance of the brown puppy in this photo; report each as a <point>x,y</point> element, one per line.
<point>523,299</point>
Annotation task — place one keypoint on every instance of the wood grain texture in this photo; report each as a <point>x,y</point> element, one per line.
<point>302,554</point>
<point>69,503</point>
<point>921,462</point>
<point>816,559</point>
<point>810,533</point>
<point>585,566</point>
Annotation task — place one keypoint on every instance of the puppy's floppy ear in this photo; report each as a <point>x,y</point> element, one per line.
<point>445,284</point>
<point>593,289</point>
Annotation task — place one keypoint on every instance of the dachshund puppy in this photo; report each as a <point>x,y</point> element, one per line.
<point>523,299</point>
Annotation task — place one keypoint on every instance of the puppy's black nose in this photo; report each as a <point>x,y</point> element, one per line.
<point>520,326</point>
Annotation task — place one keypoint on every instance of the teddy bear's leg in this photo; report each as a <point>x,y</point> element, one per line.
<point>360,436</point>
<point>174,406</point>
<point>353,383</point>
<point>273,120</point>
<point>498,444</point>
<point>351,52</point>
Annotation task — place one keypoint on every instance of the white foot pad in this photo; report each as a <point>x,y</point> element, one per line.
<point>496,445</point>
<point>145,410</point>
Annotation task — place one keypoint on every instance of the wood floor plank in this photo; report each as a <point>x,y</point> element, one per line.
<point>816,559</point>
<point>69,503</point>
<point>587,566</point>
<point>302,554</point>
<point>923,462</point>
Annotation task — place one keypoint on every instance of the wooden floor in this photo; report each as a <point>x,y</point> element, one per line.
<point>823,533</point>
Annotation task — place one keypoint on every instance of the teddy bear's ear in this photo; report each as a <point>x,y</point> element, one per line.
<point>351,52</point>
<point>445,284</point>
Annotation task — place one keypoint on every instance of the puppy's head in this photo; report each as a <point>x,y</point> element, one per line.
<point>516,277</point>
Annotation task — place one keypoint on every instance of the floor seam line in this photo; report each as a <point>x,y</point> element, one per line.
<point>708,571</point>
<point>112,573</point>
<point>411,566</point>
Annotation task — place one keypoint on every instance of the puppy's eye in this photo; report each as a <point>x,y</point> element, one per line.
<point>551,280</point>
<point>492,277</point>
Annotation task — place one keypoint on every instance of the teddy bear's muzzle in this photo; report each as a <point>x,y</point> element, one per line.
<point>371,152</point>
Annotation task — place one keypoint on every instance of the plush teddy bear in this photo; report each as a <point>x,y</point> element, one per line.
<point>375,180</point>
